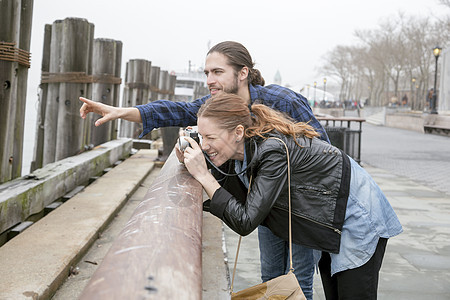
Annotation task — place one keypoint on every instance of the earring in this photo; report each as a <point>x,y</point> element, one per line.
<point>237,141</point>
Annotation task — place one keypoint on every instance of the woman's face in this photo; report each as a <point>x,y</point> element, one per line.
<point>220,144</point>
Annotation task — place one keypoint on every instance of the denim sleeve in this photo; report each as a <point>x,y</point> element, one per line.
<point>165,113</point>
<point>298,108</point>
<point>301,111</point>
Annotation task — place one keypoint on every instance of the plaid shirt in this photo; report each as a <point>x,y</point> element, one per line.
<point>164,113</point>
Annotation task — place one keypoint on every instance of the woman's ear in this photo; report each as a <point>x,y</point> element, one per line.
<point>239,131</point>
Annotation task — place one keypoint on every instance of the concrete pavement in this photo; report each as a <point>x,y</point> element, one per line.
<point>412,169</point>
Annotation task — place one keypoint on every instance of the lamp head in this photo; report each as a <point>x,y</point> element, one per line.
<point>437,51</point>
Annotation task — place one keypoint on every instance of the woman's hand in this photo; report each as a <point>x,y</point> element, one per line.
<point>196,165</point>
<point>179,153</point>
<point>194,159</point>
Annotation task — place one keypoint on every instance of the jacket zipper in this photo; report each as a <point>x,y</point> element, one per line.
<point>316,222</point>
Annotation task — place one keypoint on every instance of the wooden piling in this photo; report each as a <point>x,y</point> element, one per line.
<point>136,92</point>
<point>116,98</point>
<point>104,87</point>
<point>15,32</point>
<point>52,100</point>
<point>163,85</point>
<point>26,17</point>
<point>77,41</point>
<point>38,154</point>
<point>167,91</point>
<point>154,82</point>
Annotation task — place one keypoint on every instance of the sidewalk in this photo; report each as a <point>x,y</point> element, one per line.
<point>417,262</point>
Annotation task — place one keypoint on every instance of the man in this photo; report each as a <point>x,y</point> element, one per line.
<point>229,68</point>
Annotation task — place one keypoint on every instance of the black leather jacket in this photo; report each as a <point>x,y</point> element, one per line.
<point>320,181</point>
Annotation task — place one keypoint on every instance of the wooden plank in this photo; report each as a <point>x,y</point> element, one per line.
<point>46,251</point>
<point>23,197</point>
<point>51,207</point>
<point>19,229</point>
<point>72,193</point>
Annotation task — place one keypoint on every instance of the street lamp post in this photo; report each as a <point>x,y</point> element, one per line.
<point>417,92</point>
<point>436,51</point>
<point>324,88</point>
<point>413,96</point>
<point>315,86</point>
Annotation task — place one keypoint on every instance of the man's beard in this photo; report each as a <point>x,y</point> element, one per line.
<point>233,89</point>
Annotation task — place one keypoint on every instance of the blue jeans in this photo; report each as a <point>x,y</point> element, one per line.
<point>275,260</point>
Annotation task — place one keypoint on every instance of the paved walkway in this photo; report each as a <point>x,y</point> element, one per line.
<point>413,170</point>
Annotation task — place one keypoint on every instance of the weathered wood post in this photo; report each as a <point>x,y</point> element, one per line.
<point>163,84</point>
<point>105,63</point>
<point>136,92</point>
<point>167,91</point>
<point>116,98</point>
<point>154,82</point>
<point>154,95</point>
<point>38,154</point>
<point>52,99</point>
<point>68,79</point>
<point>172,83</point>
<point>77,45</point>
<point>15,36</point>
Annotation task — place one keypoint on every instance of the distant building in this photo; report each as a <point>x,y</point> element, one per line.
<point>277,78</point>
<point>190,86</point>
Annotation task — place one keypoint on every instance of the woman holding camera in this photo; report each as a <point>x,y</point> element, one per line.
<point>337,208</point>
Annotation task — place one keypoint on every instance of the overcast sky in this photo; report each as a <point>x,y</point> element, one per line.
<point>289,36</point>
<point>286,36</point>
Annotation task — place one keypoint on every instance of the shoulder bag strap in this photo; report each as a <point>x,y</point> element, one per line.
<point>291,268</point>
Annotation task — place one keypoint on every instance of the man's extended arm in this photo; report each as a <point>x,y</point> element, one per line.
<point>108,112</point>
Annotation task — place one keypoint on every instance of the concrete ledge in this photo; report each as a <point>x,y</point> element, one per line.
<point>25,196</point>
<point>36,262</point>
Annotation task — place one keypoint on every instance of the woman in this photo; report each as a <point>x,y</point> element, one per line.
<point>337,208</point>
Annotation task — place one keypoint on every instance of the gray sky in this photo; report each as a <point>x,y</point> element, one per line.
<point>289,36</point>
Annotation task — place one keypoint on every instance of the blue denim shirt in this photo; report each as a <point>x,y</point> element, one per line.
<point>368,217</point>
<point>163,113</point>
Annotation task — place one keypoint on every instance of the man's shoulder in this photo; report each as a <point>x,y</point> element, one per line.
<point>276,92</point>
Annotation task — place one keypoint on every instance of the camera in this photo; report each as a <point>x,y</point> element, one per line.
<point>193,134</point>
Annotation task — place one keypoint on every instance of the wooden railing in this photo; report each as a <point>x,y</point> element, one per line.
<point>158,253</point>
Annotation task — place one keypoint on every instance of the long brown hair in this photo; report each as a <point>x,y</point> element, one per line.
<point>239,57</point>
<point>230,110</point>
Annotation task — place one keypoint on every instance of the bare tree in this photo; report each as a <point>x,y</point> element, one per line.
<point>387,59</point>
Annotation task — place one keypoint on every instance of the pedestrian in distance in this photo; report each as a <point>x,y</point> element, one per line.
<point>337,208</point>
<point>429,99</point>
<point>228,68</point>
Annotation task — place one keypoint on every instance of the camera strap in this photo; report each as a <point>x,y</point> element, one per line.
<point>233,174</point>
